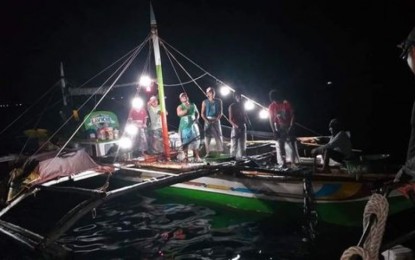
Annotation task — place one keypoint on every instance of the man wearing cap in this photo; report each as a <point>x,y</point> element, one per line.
<point>211,114</point>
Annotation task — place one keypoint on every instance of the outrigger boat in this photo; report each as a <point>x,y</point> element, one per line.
<point>74,184</point>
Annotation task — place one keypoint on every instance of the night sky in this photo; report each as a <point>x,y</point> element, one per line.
<point>297,46</point>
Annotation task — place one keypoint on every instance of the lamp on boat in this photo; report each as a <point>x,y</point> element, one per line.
<point>131,129</point>
<point>249,105</point>
<point>137,103</point>
<point>225,90</point>
<point>125,143</point>
<point>145,81</point>
<point>263,114</point>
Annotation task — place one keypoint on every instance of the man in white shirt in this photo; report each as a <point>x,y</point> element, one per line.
<point>338,148</point>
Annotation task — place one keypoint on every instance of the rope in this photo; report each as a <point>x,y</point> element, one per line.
<point>353,251</point>
<point>378,206</point>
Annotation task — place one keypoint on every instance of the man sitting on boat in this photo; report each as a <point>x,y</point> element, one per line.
<point>338,148</point>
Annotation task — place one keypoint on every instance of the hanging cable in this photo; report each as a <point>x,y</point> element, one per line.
<point>139,47</point>
<point>122,68</point>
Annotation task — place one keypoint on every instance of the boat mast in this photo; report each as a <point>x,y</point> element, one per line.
<point>63,85</point>
<point>155,38</point>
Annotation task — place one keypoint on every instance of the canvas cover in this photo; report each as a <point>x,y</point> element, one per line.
<point>66,164</point>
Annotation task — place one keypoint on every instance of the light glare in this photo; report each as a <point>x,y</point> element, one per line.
<point>125,143</point>
<point>263,114</point>
<point>137,103</point>
<point>249,105</point>
<point>131,129</point>
<point>145,81</point>
<point>225,90</point>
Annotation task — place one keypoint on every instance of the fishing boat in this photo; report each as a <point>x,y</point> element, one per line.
<point>252,183</point>
<point>337,197</point>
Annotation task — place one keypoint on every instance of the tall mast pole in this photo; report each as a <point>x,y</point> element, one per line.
<point>63,85</point>
<point>156,47</point>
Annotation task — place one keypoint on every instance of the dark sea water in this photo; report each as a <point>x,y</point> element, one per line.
<point>153,226</point>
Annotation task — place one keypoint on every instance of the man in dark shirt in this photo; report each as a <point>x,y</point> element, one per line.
<point>408,54</point>
<point>237,118</point>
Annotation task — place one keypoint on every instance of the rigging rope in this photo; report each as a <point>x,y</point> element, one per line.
<point>123,68</point>
<point>170,55</point>
<point>134,50</point>
<point>164,43</point>
<point>181,66</point>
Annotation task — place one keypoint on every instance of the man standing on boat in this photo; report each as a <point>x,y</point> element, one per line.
<point>138,116</point>
<point>281,118</point>
<point>408,54</point>
<point>238,119</point>
<point>188,127</point>
<point>211,113</point>
<point>155,128</point>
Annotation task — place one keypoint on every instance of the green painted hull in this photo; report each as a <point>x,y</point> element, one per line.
<point>339,213</point>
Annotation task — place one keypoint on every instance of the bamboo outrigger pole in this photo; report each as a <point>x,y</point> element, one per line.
<point>154,36</point>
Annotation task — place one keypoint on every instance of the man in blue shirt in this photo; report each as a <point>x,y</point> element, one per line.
<point>211,113</point>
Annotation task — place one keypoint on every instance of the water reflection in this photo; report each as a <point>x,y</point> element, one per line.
<point>137,227</point>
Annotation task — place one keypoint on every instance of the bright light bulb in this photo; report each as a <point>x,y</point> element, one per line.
<point>145,81</point>
<point>249,105</point>
<point>225,90</point>
<point>125,143</point>
<point>263,114</point>
<point>131,129</point>
<point>137,103</point>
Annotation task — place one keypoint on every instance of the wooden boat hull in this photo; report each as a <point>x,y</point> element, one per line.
<point>338,198</point>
